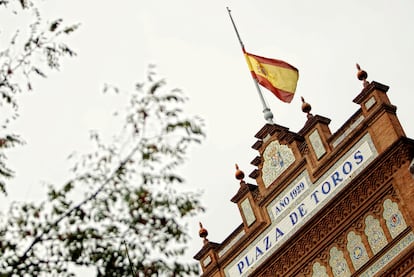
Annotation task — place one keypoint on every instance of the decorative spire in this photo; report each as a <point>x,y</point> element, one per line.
<point>362,76</point>
<point>306,108</point>
<point>239,174</point>
<point>203,233</point>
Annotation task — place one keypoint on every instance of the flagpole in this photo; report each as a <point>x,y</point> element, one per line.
<point>268,115</point>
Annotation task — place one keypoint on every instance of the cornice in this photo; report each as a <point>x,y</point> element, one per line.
<point>243,190</point>
<point>207,247</point>
<point>368,89</point>
<point>311,122</point>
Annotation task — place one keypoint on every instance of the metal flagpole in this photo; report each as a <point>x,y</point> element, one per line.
<point>268,115</point>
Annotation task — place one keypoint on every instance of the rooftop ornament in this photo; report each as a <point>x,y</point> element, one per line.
<point>203,233</point>
<point>306,108</point>
<point>362,76</point>
<point>239,174</point>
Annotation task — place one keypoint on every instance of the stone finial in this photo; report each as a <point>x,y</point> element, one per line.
<point>203,233</point>
<point>239,174</point>
<point>362,76</point>
<point>306,108</point>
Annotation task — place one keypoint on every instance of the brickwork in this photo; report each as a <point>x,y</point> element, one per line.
<point>318,203</point>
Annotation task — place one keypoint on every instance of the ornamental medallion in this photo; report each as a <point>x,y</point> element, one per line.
<point>277,158</point>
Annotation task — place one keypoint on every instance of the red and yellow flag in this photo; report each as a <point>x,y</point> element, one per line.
<point>277,76</point>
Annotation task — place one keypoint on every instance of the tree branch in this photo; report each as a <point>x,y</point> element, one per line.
<point>38,238</point>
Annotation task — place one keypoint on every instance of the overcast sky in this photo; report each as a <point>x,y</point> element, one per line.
<point>195,48</point>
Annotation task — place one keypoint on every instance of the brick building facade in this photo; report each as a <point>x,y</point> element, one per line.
<point>325,204</point>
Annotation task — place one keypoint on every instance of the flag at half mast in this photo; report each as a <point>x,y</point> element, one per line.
<point>277,76</point>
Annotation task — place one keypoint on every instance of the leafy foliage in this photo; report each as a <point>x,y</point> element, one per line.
<point>132,217</point>
<point>28,53</point>
<point>123,211</point>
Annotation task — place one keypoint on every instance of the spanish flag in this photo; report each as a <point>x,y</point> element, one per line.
<point>277,76</point>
